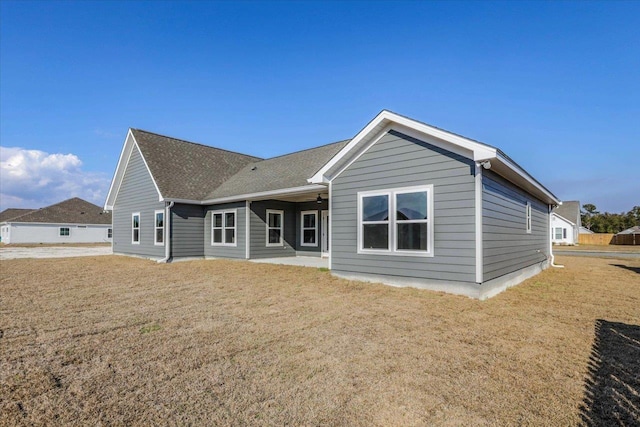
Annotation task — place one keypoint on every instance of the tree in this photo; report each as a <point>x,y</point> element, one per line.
<point>589,211</point>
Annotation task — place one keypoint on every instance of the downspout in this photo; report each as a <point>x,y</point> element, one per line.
<point>550,243</point>
<point>167,233</point>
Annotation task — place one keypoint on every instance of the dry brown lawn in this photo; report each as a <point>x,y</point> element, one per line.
<point>123,341</point>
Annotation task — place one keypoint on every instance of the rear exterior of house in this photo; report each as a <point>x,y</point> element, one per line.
<point>401,203</point>
<point>70,221</point>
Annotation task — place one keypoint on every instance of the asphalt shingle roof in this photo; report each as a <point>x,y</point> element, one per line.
<point>569,210</point>
<point>291,170</point>
<point>187,170</point>
<point>71,211</point>
<point>11,213</point>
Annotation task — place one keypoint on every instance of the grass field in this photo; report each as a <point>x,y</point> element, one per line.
<point>604,248</point>
<point>122,341</point>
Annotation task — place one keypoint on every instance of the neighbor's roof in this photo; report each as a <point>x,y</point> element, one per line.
<point>187,170</point>
<point>71,211</point>
<point>288,171</point>
<point>633,230</point>
<point>569,210</point>
<point>12,213</point>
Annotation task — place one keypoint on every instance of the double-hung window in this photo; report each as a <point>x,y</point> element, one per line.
<point>396,222</point>
<point>135,228</point>
<point>275,227</point>
<point>309,228</point>
<point>223,228</point>
<point>159,228</point>
<point>64,231</point>
<point>109,233</point>
<point>561,233</point>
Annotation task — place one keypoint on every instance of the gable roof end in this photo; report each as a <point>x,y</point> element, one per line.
<point>474,150</point>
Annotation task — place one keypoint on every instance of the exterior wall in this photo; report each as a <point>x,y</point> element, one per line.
<point>137,194</point>
<point>507,247</point>
<point>187,228</point>
<point>50,233</point>
<point>309,206</point>
<point>397,160</point>
<point>238,251</point>
<point>258,230</point>
<point>559,222</point>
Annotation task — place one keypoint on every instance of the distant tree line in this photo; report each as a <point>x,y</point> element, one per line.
<point>608,222</point>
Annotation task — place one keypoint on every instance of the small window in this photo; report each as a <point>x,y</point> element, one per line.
<point>223,228</point>
<point>275,227</point>
<point>135,228</point>
<point>64,231</point>
<point>109,233</point>
<point>309,228</point>
<point>564,233</point>
<point>396,222</point>
<point>159,228</point>
<point>558,233</point>
<point>528,214</point>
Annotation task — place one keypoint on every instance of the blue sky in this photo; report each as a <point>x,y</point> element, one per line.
<point>556,85</point>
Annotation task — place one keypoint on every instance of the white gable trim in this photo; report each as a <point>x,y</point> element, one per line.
<point>125,155</point>
<point>465,147</point>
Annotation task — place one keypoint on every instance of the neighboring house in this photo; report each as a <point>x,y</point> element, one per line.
<point>630,236</point>
<point>71,221</point>
<point>584,230</point>
<point>402,203</point>
<point>566,223</point>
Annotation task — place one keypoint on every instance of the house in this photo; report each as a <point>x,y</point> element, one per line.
<point>566,223</point>
<point>70,221</point>
<point>402,203</point>
<point>630,236</point>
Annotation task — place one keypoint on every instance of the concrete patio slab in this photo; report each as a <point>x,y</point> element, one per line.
<point>302,261</point>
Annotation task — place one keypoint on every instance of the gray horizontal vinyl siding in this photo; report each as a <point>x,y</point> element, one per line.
<point>318,208</point>
<point>137,193</point>
<point>238,251</point>
<point>507,247</point>
<point>187,229</point>
<point>258,230</point>
<point>397,160</point>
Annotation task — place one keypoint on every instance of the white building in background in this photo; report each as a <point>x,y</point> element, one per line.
<point>562,231</point>
<point>71,221</point>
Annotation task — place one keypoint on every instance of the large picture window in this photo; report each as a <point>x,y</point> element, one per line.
<point>396,221</point>
<point>135,228</point>
<point>223,228</point>
<point>275,227</point>
<point>159,228</point>
<point>309,228</point>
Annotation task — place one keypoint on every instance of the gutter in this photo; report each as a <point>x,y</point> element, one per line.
<point>167,234</point>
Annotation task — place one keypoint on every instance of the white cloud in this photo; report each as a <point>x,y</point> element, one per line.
<point>34,178</point>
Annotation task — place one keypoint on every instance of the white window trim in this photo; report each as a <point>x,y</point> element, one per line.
<point>528,218</point>
<point>315,229</point>
<point>133,242</point>
<point>156,228</point>
<point>274,211</point>
<point>393,244</point>
<point>62,235</point>
<point>224,227</point>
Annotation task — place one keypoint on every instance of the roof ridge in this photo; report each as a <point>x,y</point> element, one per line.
<point>197,143</point>
<point>307,149</point>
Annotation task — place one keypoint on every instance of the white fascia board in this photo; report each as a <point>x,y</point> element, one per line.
<point>476,150</point>
<point>118,175</point>
<point>523,174</point>
<point>255,196</point>
<point>129,144</point>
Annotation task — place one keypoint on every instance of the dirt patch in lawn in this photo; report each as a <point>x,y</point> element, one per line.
<point>115,340</point>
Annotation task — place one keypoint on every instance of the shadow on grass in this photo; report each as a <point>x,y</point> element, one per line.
<point>626,267</point>
<point>612,390</point>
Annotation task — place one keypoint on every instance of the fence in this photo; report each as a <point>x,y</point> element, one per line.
<point>596,239</point>
<point>626,239</point>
